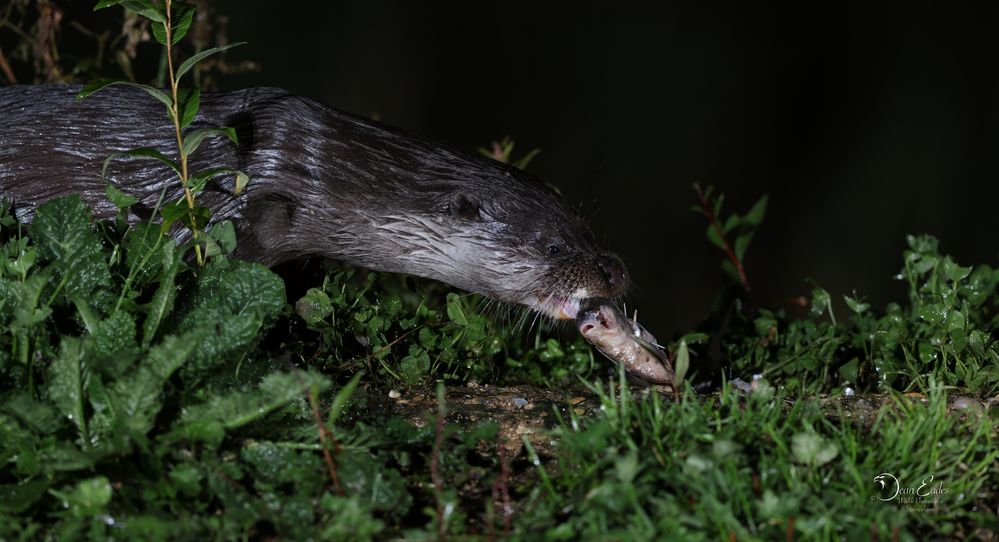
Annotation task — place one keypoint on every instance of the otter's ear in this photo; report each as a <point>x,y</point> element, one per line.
<point>465,205</point>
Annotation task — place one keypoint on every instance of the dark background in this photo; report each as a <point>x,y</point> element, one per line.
<point>863,124</point>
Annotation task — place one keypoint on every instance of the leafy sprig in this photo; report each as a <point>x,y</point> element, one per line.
<point>170,21</point>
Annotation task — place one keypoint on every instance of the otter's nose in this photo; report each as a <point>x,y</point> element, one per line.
<point>614,273</point>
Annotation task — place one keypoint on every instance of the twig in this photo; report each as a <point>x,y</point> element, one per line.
<point>327,440</point>
<point>5,68</point>
<point>435,458</point>
<point>709,214</point>
<point>504,488</point>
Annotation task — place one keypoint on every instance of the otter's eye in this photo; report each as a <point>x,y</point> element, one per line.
<point>554,250</point>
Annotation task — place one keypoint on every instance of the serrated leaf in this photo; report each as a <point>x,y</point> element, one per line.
<point>137,397</point>
<point>190,63</point>
<point>67,380</point>
<point>39,417</point>
<point>62,233</point>
<point>113,339</point>
<point>97,86</point>
<point>143,252</point>
<point>162,303</point>
<point>236,302</point>
<point>239,408</point>
<point>193,139</point>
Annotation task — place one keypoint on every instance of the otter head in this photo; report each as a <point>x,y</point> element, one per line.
<point>379,199</point>
<point>515,239</point>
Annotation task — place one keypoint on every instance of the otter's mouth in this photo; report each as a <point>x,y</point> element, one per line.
<point>559,308</point>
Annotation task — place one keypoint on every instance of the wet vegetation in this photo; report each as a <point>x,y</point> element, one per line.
<point>156,391</point>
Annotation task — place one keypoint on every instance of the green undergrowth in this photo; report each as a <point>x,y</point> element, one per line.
<point>943,330</point>
<point>137,387</point>
<point>144,397</point>
<point>765,466</point>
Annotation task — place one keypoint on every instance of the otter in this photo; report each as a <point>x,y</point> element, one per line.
<point>322,182</point>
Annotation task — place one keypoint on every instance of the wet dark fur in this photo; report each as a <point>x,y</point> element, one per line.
<point>322,182</point>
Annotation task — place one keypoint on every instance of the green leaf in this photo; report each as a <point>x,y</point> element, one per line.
<point>741,244</point>
<point>189,63</point>
<point>145,152</point>
<point>120,199</point>
<point>37,416</point>
<point>104,83</point>
<point>102,4</point>
<point>143,253</point>
<point>756,214</point>
<point>811,449</point>
<point>856,305</point>
<point>190,103</point>
<point>62,233</point>
<point>239,408</point>
<point>16,498</point>
<point>822,302</point>
<point>137,397</point>
<point>341,398</point>
<point>314,306</point>
<point>682,362</point>
<point>195,219</point>
<point>145,8</point>
<point>955,272</point>
<point>114,339</point>
<point>454,310</point>
<point>162,303</point>
<point>198,182</point>
<point>236,302</point>
<point>183,14</point>
<point>731,223</point>
<point>713,236</point>
<point>193,139</point>
<point>87,499</point>
<point>67,379</point>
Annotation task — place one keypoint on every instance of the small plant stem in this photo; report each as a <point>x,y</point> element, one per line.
<point>175,114</point>
<point>327,440</point>
<point>435,459</point>
<point>702,200</point>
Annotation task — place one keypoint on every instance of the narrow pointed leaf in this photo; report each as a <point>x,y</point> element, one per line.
<point>189,63</point>
<point>104,83</point>
<point>145,152</point>
<point>193,140</point>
